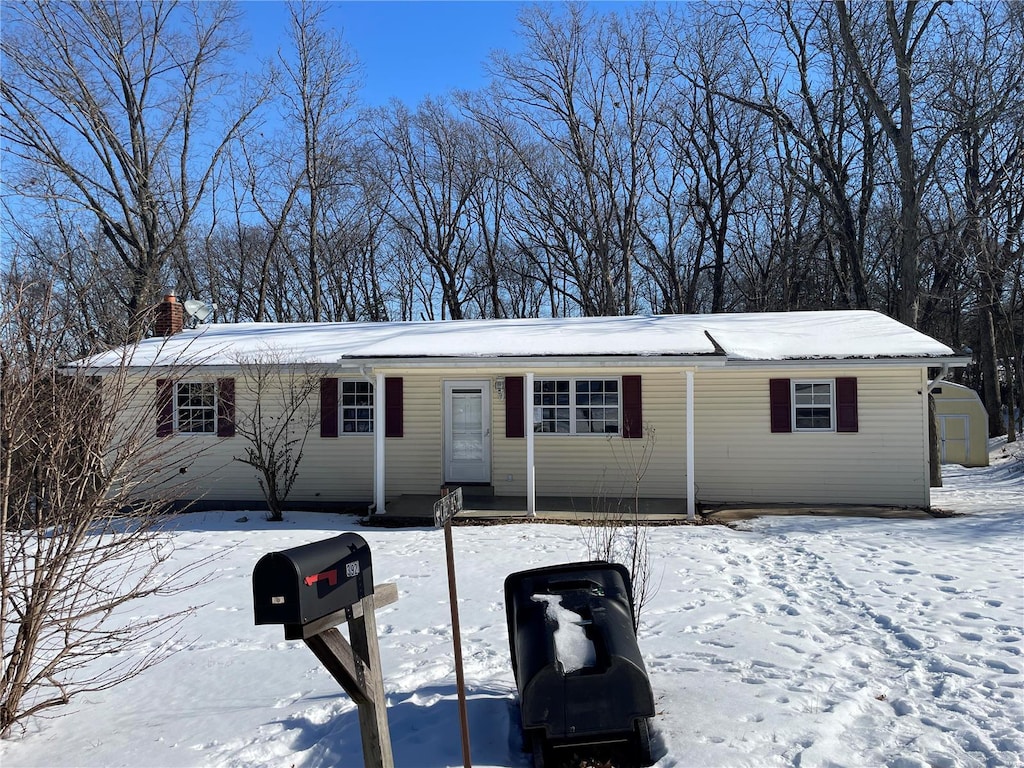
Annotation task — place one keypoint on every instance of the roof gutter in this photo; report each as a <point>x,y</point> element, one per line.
<point>857,362</point>
<point>553,361</point>
<point>366,366</point>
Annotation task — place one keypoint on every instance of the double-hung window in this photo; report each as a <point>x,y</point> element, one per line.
<point>813,406</point>
<point>576,406</point>
<point>195,407</point>
<point>356,407</point>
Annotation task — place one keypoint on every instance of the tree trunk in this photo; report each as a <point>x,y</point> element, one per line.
<point>988,363</point>
<point>934,465</point>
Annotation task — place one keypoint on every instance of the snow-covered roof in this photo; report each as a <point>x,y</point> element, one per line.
<point>773,336</point>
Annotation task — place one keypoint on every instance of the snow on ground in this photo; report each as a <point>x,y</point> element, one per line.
<point>789,641</point>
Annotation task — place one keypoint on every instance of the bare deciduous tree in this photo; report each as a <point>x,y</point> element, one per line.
<point>274,417</point>
<point>983,75</point>
<point>431,161</point>
<point>577,106</point>
<point>886,59</point>
<point>318,93</point>
<point>78,542</point>
<point>103,105</point>
<point>812,99</point>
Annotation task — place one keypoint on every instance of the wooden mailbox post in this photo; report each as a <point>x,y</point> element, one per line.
<point>311,590</point>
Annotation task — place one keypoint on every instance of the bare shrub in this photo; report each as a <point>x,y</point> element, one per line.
<point>617,531</point>
<point>78,542</point>
<point>275,423</point>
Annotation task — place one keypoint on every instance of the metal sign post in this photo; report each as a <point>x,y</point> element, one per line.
<point>444,510</point>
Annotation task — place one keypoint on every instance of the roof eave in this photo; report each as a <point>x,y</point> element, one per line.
<point>355,363</point>
<point>539,361</point>
<point>952,361</point>
<point>544,362</point>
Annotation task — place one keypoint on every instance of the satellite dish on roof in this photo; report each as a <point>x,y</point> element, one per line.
<point>199,312</point>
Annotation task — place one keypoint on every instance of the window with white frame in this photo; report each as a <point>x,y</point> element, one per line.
<point>576,406</point>
<point>195,407</point>
<point>814,406</point>
<point>356,407</point>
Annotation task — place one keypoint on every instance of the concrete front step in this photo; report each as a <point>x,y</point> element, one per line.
<point>472,491</point>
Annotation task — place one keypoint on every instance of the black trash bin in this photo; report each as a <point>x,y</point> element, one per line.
<point>577,665</point>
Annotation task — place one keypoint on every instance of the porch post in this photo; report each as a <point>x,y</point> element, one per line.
<point>691,501</point>
<point>531,479</point>
<point>378,443</point>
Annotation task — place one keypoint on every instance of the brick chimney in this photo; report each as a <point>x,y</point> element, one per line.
<point>170,316</point>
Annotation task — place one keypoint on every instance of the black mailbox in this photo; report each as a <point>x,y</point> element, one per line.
<point>300,585</point>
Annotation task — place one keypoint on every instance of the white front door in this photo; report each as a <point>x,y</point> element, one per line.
<point>954,439</point>
<point>467,431</point>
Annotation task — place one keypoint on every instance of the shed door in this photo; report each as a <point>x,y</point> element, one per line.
<point>954,438</point>
<point>467,432</point>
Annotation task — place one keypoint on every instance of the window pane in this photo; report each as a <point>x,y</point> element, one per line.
<point>576,406</point>
<point>814,418</point>
<point>356,407</point>
<point>195,407</point>
<point>812,405</point>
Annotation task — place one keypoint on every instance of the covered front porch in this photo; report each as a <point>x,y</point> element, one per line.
<point>475,442</point>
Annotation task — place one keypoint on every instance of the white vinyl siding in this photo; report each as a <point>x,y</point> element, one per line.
<point>331,471</point>
<point>738,459</point>
<point>415,461</point>
<point>603,469</point>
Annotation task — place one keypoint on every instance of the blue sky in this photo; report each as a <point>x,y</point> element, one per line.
<point>408,50</point>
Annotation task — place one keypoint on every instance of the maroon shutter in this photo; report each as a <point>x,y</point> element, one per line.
<point>846,404</point>
<point>515,408</point>
<point>781,405</point>
<point>394,407</point>
<point>632,407</point>
<point>164,407</point>
<point>328,407</point>
<point>225,407</point>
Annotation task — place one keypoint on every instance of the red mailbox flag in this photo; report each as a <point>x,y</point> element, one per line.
<point>331,577</point>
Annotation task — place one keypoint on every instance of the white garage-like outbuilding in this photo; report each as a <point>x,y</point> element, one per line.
<point>961,423</point>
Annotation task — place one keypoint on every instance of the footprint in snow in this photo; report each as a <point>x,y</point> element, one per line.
<point>287,701</point>
<point>1001,666</point>
<point>902,707</point>
<point>910,641</point>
